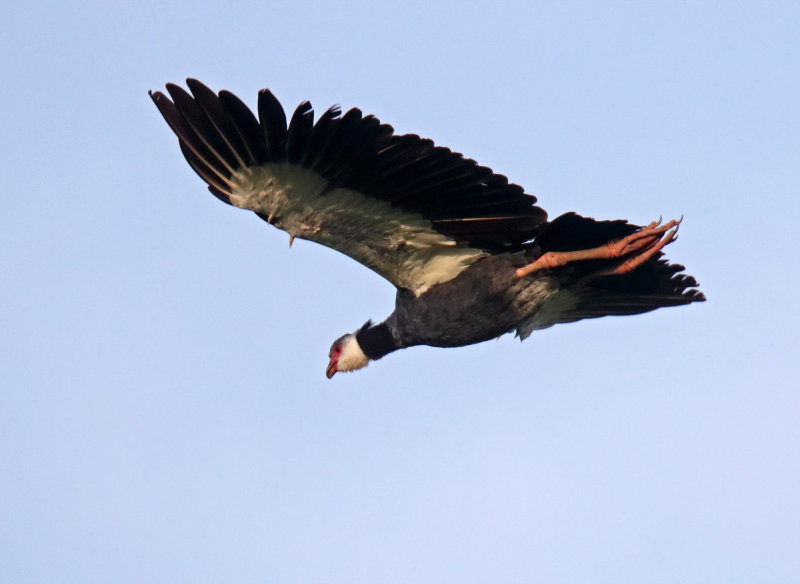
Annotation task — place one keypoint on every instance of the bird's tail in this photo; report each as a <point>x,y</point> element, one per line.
<point>655,284</point>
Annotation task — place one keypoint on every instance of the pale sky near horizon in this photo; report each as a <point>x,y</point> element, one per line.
<point>164,411</point>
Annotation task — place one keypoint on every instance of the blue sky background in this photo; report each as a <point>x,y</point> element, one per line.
<point>164,413</point>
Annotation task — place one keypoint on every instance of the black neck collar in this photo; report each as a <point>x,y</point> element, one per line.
<point>376,340</point>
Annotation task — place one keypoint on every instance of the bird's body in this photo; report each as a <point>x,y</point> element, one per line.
<point>483,302</point>
<point>470,254</point>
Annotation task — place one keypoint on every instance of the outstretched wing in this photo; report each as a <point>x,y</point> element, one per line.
<point>415,213</point>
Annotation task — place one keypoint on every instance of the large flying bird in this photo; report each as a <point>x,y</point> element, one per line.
<point>471,255</point>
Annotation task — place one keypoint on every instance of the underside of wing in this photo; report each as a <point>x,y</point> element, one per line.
<point>415,213</point>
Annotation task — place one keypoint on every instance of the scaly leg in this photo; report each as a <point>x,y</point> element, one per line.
<point>635,248</point>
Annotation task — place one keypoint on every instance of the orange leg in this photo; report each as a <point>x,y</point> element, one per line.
<point>635,249</point>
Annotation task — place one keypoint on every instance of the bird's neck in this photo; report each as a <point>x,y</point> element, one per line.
<point>376,341</point>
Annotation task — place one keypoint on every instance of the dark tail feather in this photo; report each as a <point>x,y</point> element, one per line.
<point>655,284</point>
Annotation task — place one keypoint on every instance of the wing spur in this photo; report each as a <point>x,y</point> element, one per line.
<point>416,213</point>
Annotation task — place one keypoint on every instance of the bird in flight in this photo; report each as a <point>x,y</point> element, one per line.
<point>471,255</point>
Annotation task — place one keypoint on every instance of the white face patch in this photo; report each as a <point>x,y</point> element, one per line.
<point>352,357</point>
<point>401,246</point>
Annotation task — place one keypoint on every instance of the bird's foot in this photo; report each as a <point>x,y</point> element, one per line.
<point>636,248</point>
<point>644,240</point>
<point>641,245</point>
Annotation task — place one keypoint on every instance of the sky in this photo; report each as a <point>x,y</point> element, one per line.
<point>164,411</point>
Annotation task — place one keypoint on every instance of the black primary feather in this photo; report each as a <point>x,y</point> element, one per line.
<point>273,124</point>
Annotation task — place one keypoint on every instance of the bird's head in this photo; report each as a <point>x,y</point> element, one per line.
<point>346,355</point>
